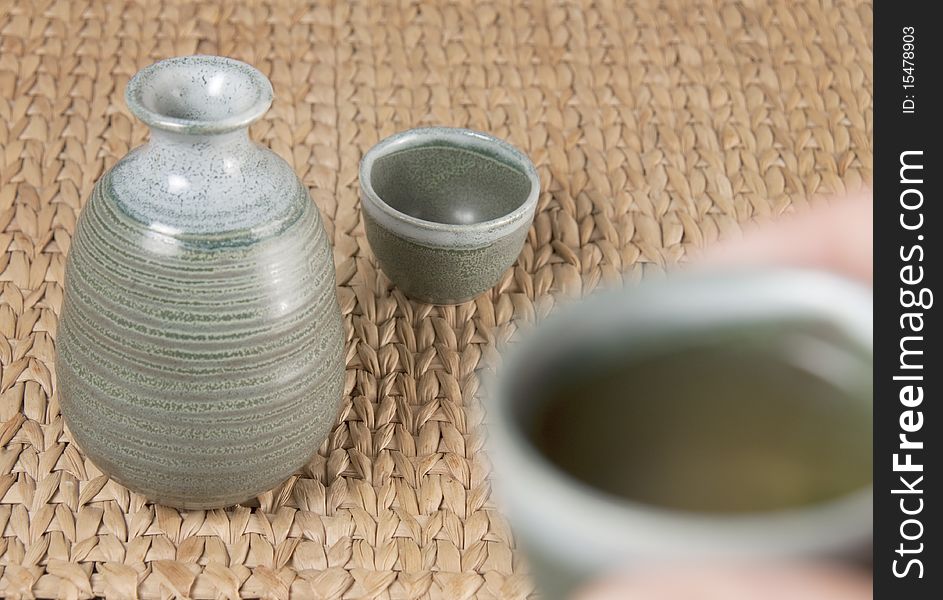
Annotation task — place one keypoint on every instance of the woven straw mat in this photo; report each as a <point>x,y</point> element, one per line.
<point>655,130</point>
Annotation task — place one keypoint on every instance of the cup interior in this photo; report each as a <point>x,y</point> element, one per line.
<point>448,180</point>
<point>734,420</point>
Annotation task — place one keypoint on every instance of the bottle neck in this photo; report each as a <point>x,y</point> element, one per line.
<point>179,183</point>
<point>161,138</point>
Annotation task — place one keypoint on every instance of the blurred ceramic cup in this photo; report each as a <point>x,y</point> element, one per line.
<point>446,210</point>
<point>709,416</point>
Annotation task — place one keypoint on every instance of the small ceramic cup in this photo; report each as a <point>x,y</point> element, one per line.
<point>572,528</point>
<point>446,210</point>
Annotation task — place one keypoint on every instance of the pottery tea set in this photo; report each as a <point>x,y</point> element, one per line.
<point>201,346</point>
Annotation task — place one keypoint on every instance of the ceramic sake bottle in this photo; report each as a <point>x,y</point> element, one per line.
<point>200,350</point>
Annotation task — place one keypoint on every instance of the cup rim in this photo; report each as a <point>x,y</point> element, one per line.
<point>613,529</point>
<point>143,79</point>
<point>435,233</point>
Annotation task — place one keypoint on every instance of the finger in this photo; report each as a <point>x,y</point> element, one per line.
<point>735,583</point>
<point>837,237</point>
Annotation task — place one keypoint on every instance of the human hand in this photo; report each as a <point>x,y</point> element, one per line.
<point>734,582</point>
<point>838,237</point>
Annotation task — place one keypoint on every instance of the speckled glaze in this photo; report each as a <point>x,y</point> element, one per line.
<point>200,350</point>
<point>446,210</point>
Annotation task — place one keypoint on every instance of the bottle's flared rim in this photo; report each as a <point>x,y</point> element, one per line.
<point>194,88</point>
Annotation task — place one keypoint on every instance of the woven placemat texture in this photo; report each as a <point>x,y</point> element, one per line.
<point>655,129</point>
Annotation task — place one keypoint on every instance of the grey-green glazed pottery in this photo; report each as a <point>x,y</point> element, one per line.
<point>573,530</point>
<point>446,210</point>
<point>200,350</point>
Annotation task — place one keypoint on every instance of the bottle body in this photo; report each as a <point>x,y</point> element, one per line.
<point>200,348</point>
